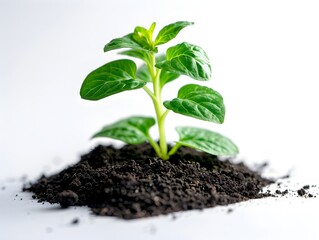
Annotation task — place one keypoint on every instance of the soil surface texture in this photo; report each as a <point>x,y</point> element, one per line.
<point>131,182</point>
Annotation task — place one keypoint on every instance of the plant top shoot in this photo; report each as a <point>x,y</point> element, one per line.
<point>157,71</point>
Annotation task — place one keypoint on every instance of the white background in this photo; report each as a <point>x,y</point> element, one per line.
<point>265,58</point>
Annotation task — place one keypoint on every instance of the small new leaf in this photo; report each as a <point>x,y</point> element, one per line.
<point>133,130</point>
<point>144,37</point>
<point>126,41</point>
<point>170,31</point>
<point>207,141</point>
<point>198,102</point>
<point>151,30</point>
<point>187,59</point>
<point>113,77</point>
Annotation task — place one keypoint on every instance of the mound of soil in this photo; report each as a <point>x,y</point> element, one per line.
<point>132,182</point>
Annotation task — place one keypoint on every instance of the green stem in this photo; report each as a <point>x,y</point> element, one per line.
<point>165,114</point>
<point>149,92</point>
<point>154,145</point>
<point>174,149</point>
<point>158,105</point>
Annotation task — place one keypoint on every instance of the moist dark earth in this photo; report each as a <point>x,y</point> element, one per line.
<point>131,182</point>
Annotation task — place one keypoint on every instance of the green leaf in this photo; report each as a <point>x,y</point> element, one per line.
<point>113,77</point>
<point>143,73</point>
<point>166,77</point>
<point>151,30</point>
<point>170,31</point>
<point>137,53</point>
<point>187,59</point>
<point>160,58</point>
<point>198,102</point>
<point>126,41</point>
<point>207,141</point>
<point>133,130</point>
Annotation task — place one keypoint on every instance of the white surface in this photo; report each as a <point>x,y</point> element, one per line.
<point>264,219</point>
<point>265,58</point>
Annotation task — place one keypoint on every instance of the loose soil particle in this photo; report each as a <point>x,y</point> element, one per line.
<point>75,221</point>
<point>301,192</point>
<point>132,182</point>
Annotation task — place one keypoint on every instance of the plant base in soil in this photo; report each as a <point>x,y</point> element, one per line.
<point>132,182</point>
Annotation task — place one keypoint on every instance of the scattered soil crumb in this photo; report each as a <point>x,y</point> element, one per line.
<point>301,192</point>
<point>75,221</point>
<point>282,189</point>
<point>284,192</point>
<point>230,210</point>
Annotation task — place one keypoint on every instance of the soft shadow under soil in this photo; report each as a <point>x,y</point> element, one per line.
<point>132,182</point>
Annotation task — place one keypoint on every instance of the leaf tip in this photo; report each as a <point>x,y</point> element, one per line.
<point>167,104</point>
<point>105,49</point>
<point>94,136</point>
<point>221,119</point>
<point>83,92</point>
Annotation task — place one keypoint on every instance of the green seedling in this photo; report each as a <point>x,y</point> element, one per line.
<point>158,70</point>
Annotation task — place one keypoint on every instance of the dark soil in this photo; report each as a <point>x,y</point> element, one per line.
<point>132,182</point>
<point>75,221</point>
<point>285,190</point>
<point>301,192</point>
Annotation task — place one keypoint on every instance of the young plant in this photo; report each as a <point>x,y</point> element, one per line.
<point>158,70</point>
